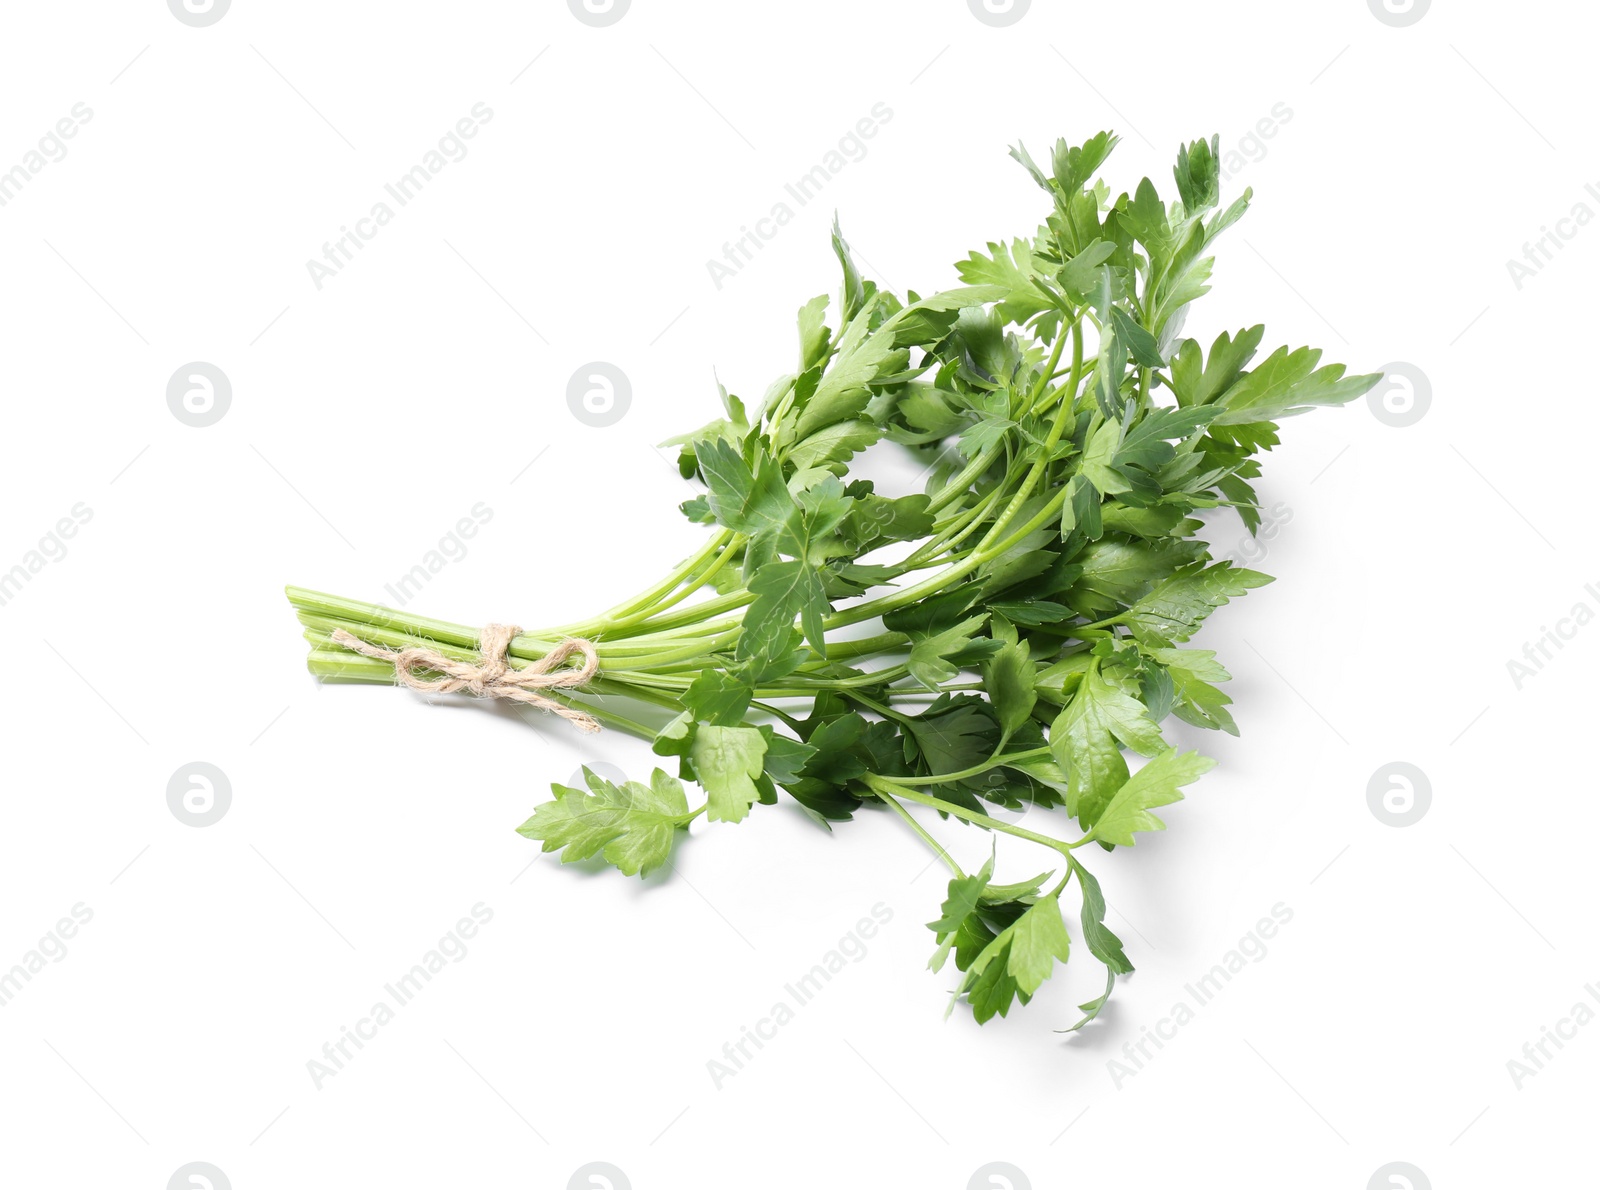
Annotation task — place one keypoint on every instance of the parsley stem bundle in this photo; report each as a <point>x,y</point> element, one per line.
<point>996,642</point>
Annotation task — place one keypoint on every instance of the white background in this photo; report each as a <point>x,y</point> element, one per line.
<point>430,375</point>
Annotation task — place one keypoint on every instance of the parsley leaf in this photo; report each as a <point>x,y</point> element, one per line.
<point>1086,737</point>
<point>1156,784</point>
<point>1176,608</point>
<point>630,825</point>
<point>727,760</point>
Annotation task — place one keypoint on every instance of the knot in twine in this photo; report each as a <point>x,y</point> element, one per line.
<point>492,676</point>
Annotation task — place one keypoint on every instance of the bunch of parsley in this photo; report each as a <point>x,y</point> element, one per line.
<point>1003,638</point>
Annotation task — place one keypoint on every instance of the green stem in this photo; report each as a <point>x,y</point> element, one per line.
<point>892,787</point>
<point>1056,891</point>
<point>1063,416</point>
<point>995,761</point>
<point>684,583</point>
<point>697,614</point>
<point>879,707</point>
<point>867,646</point>
<point>951,535</point>
<point>931,586</point>
<point>922,831</point>
<point>960,482</point>
<point>666,586</point>
<point>1044,376</point>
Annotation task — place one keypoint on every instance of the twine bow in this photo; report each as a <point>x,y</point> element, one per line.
<point>492,676</point>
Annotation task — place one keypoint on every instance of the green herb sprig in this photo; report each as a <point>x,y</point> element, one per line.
<point>1003,638</point>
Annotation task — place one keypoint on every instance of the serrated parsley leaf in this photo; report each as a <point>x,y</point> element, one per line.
<point>833,445</point>
<point>717,697</point>
<point>727,760</point>
<point>1098,455</point>
<point>1148,444</point>
<point>1016,961</point>
<point>746,501</point>
<point>952,736</point>
<point>1075,166</point>
<point>1085,739</point>
<point>1038,941</point>
<point>1193,384</point>
<point>990,988</point>
<point>1156,784</point>
<point>929,661</point>
<point>842,393</point>
<point>1102,943</point>
<point>1287,383</point>
<point>961,902</point>
<point>631,826</point>
<point>1008,676</point>
<point>783,591</point>
<point>1177,607</point>
<point>1012,271</point>
<point>1141,344</point>
<point>1193,673</point>
<point>813,332</point>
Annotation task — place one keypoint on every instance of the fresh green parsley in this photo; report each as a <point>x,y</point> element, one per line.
<point>1008,636</point>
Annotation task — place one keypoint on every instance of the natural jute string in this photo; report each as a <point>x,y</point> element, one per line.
<point>492,677</point>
